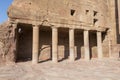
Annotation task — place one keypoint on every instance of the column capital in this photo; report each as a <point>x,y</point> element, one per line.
<point>53,27</point>
<point>12,21</point>
<point>86,29</point>
<point>109,31</point>
<point>14,24</point>
<point>71,28</point>
<point>99,31</point>
<point>35,25</point>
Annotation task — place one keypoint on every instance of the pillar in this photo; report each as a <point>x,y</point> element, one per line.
<point>99,44</point>
<point>110,48</point>
<point>71,45</point>
<point>109,43</point>
<point>13,35</point>
<point>54,44</point>
<point>35,50</point>
<point>118,6</point>
<point>86,45</point>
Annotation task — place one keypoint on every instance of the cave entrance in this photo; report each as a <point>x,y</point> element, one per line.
<point>24,45</point>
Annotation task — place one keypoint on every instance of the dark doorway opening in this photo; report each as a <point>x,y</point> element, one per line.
<point>45,44</point>
<point>24,43</point>
<point>63,44</point>
<point>79,43</point>
<point>93,44</point>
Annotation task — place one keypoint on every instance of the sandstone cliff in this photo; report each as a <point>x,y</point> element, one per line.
<point>6,43</point>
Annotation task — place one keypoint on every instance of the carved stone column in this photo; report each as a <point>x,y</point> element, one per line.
<point>35,48</point>
<point>71,45</point>
<point>118,6</point>
<point>86,45</point>
<point>99,44</point>
<point>54,44</point>
<point>13,37</point>
<point>110,43</point>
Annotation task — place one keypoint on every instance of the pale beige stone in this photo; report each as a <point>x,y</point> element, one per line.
<point>99,45</point>
<point>86,45</point>
<point>71,45</point>
<point>76,21</point>
<point>35,47</point>
<point>54,44</point>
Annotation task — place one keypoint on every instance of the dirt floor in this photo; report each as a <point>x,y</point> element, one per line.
<point>107,69</point>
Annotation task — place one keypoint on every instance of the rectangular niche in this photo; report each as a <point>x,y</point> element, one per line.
<point>95,13</point>
<point>95,21</point>
<point>72,12</point>
<point>87,12</point>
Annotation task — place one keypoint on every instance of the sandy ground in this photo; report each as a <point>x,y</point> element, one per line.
<point>106,69</point>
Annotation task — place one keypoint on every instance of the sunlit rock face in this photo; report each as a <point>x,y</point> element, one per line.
<point>79,15</point>
<point>79,10</point>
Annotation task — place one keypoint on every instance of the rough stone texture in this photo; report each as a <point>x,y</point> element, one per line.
<point>16,38</point>
<point>43,9</point>
<point>80,15</point>
<point>7,37</point>
<point>64,13</point>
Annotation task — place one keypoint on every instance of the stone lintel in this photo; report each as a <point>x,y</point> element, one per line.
<point>65,25</point>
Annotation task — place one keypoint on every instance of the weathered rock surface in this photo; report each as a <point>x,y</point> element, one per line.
<point>66,14</point>
<point>6,43</point>
<point>52,10</point>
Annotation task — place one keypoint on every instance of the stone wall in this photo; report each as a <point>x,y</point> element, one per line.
<point>7,38</point>
<point>92,12</point>
<point>98,13</point>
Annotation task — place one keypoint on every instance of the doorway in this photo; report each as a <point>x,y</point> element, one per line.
<point>24,44</point>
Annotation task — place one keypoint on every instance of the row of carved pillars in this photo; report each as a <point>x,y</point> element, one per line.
<point>35,44</point>
<point>71,44</point>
